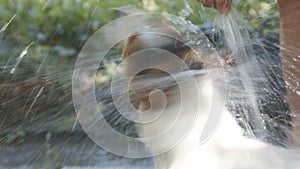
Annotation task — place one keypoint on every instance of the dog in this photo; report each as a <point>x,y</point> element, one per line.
<point>228,148</point>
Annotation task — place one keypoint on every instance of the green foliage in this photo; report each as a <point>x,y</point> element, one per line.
<point>71,21</point>
<point>15,137</point>
<point>262,15</point>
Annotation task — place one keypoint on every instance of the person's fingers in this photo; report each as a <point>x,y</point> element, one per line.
<point>223,6</point>
<point>208,3</point>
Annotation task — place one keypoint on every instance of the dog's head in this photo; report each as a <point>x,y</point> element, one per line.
<point>147,46</point>
<point>161,37</point>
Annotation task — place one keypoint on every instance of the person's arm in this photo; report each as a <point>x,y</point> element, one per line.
<point>290,51</point>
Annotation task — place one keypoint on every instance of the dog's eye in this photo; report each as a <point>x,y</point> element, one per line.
<point>197,66</point>
<point>193,60</point>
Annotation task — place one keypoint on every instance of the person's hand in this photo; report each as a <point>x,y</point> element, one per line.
<point>223,6</point>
